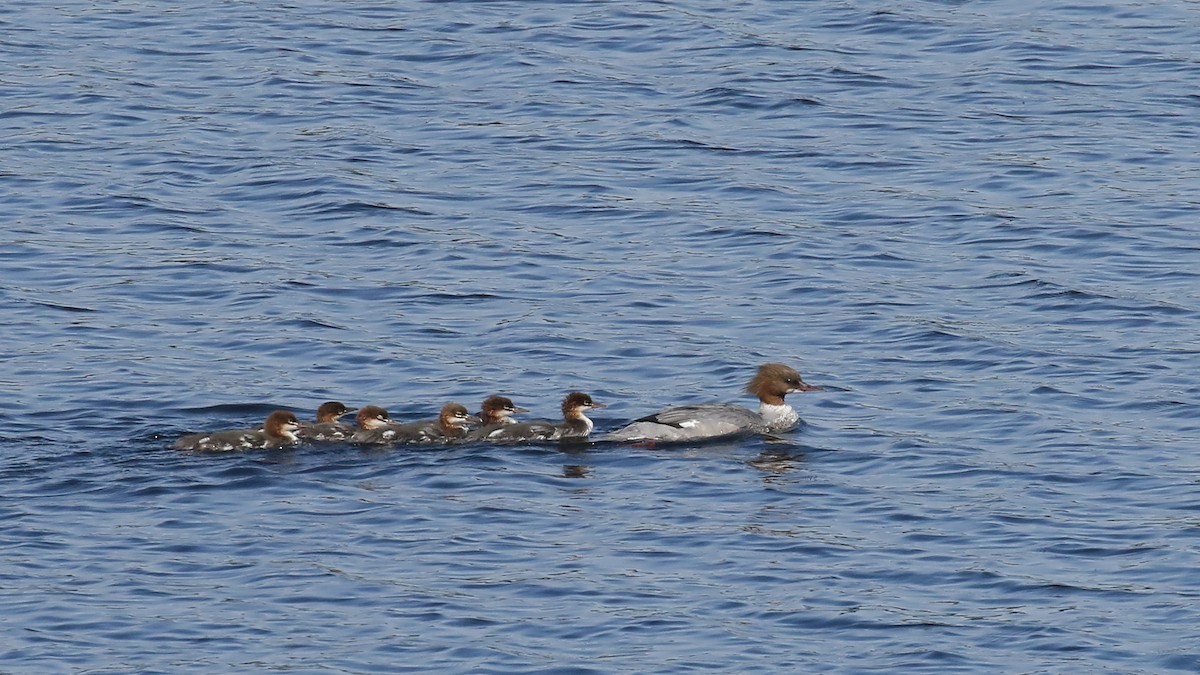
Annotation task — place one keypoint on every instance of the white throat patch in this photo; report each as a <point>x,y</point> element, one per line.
<point>778,417</point>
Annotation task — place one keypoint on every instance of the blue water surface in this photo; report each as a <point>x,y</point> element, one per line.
<point>975,223</point>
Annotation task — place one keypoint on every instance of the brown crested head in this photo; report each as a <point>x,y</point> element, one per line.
<point>281,422</point>
<point>455,415</point>
<point>773,381</point>
<point>576,402</point>
<point>330,411</point>
<point>372,417</point>
<point>496,408</point>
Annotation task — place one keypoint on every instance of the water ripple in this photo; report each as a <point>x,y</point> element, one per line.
<point>971,223</point>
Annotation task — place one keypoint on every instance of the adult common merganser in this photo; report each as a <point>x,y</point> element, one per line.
<point>278,430</point>
<point>327,426</point>
<point>713,420</point>
<point>496,412</point>
<point>451,423</point>
<point>575,424</point>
